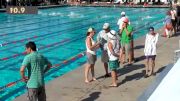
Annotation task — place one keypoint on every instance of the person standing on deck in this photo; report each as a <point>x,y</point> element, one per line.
<point>120,23</point>
<point>126,39</point>
<point>91,47</point>
<point>113,48</point>
<point>102,37</point>
<point>37,65</point>
<point>150,51</point>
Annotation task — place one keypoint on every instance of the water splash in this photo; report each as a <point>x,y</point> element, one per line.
<point>146,17</point>
<point>75,15</point>
<point>50,14</point>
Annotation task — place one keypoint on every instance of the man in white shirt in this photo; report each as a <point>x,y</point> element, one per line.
<point>120,21</point>
<point>103,38</point>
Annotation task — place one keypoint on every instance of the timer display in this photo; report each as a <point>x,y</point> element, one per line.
<point>22,10</point>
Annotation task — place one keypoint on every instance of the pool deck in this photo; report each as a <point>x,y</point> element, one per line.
<point>71,86</point>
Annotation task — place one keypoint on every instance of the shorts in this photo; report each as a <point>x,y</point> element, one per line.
<point>91,59</point>
<point>104,56</point>
<point>153,57</point>
<point>126,47</point>
<point>113,65</point>
<point>169,26</point>
<point>36,94</point>
<point>173,22</point>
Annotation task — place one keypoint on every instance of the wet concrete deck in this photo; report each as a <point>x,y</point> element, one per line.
<point>71,86</point>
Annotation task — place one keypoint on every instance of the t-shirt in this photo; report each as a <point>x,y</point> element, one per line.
<point>150,44</point>
<point>168,20</point>
<point>103,38</point>
<point>125,39</point>
<point>120,22</point>
<point>173,14</point>
<point>36,65</point>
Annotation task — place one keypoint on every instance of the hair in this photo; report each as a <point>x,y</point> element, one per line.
<point>151,28</point>
<point>88,33</point>
<point>31,45</point>
<point>168,13</point>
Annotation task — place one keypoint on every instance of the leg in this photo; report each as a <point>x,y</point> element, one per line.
<point>87,68</point>
<point>123,55</point>
<point>129,52</point>
<point>42,94</point>
<point>147,66</point>
<point>104,59</point>
<point>106,69</point>
<point>92,72</point>
<point>114,78</point>
<point>153,64</point>
<point>167,33</point>
<point>151,68</point>
<point>130,57</point>
<point>132,48</point>
<point>32,94</point>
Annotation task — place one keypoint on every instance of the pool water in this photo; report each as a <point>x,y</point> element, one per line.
<point>60,34</point>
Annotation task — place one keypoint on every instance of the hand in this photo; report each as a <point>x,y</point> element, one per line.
<point>123,26</point>
<point>24,79</point>
<point>98,42</point>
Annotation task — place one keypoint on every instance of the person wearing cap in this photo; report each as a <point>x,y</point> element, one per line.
<point>113,54</point>
<point>150,51</point>
<point>91,48</point>
<point>120,21</point>
<point>103,38</point>
<point>126,39</point>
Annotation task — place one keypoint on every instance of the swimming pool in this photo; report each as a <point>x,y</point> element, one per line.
<point>59,34</point>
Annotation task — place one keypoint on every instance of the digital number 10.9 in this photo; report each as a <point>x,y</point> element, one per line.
<point>16,10</point>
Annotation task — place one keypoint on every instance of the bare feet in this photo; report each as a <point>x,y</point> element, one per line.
<point>86,81</point>
<point>113,85</point>
<point>94,79</point>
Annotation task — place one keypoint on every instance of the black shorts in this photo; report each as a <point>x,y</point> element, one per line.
<point>174,22</point>
<point>153,57</point>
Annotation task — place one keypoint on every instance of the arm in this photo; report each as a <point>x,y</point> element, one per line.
<point>157,35</point>
<point>127,32</point>
<point>120,32</point>
<point>90,46</point>
<point>22,69</point>
<point>111,49</point>
<point>146,42</point>
<point>48,67</point>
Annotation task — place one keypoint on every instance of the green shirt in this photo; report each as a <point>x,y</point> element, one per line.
<point>36,65</point>
<point>125,39</point>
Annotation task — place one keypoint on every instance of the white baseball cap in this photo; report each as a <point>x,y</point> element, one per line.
<point>90,29</point>
<point>123,13</point>
<point>106,26</point>
<point>112,35</point>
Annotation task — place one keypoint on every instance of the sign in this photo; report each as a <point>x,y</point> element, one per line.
<point>22,9</point>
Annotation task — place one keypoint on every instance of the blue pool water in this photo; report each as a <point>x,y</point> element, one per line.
<point>64,31</point>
